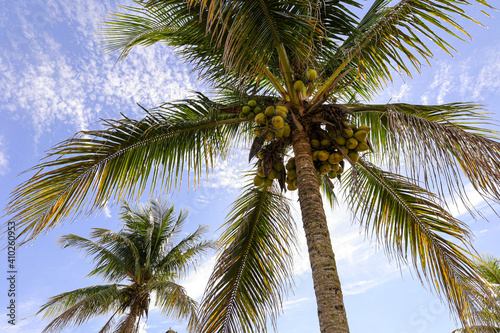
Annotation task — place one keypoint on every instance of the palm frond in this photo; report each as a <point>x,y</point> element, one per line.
<point>253,273</point>
<point>327,187</point>
<point>438,143</point>
<point>173,301</point>
<point>415,230</point>
<point>86,172</point>
<point>77,306</point>
<point>399,37</point>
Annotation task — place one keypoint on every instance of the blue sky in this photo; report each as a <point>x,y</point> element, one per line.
<point>55,80</point>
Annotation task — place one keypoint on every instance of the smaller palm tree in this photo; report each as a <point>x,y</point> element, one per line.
<point>145,255</point>
<point>489,266</point>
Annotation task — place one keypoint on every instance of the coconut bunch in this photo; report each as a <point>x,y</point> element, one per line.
<point>268,172</point>
<point>272,123</point>
<point>301,88</point>
<point>291,175</point>
<point>250,109</point>
<point>331,147</point>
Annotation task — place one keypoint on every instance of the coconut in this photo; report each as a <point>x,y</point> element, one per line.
<point>335,158</point>
<point>353,127</point>
<point>347,132</point>
<point>292,174</point>
<point>246,109</point>
<point>332,174</point>
<point>315,155</point>
<point>290,164</point>
<point>326,143</point>
<point>258,181</point>
<point>298,85</point>
<point>281,111</point>
<point>243,115</point>
<point>314,143</point>
<point>269,182</point>
<point>252,103</point>
<point>360,135</point>
<point>324,168</point>
<point>295,183</point>
<point>278,166</point>
<point>286,130</point>
<point>311,74</point>
<point>269,136</point>
<point>257,110</point>
<point>345,124</point>
<point>260,172</point>
<point>351,143</point>
<point>292,187</point>
<point>251,115</point>
<point>340,140</point>
<point>344,149</point>
<point>364,128</point>
<point>279,132</point>
<point>278,122</point>
<point>362,146</point>
<point>353,155</point>
<point>260,118</point>
<point>270,111</point>
<point>323,155</point>
<point>335,167</point>
<point>258,132</point>
<point>272,174</point>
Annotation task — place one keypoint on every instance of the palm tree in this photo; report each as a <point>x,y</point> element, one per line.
<point>258,51</point>
<point>143,254</point>
<point>489,266</point>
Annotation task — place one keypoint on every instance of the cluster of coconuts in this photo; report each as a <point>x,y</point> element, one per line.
<point>291,175</point>
<point>250,110</point>
<point>299,85</point>
<point>261,178</point>
<point>272,123</point>
<point>328,157</point>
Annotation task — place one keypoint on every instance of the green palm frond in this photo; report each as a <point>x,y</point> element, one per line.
<point>78,306</point>
<point>396,38</point>
<point>255,268</point>
<point>173,302</point>
<point>489,266</point>
<point>87,171</point>
<point>437,143</point>
<point>327,187</point>
<point>416,230</point>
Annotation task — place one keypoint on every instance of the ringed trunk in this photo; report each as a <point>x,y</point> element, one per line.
<point>331,311</point>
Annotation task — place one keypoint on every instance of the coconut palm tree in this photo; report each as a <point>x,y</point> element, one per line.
<point>489,266</point>
<point>314,65</point>
<point>140,262</point>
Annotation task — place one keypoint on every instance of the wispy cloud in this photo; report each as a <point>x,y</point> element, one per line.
<point>4,162</point>
<point>53,83</point>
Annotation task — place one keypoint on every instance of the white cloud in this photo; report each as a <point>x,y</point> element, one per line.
<point>197,280</point>
<point>229,173</point>
<point>4,162</point>
<point>294,303</point>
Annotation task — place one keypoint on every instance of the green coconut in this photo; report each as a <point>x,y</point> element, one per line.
<point>360,135</point>
<point>251,115</point>
<point>335,158</point>
<point>332,174</point>
<point>252,103</point>
<point>292,174</point>
<point>298,85</point>
<point>326,143</point>
<point>246,109</point>
<point>340,140</point>
<point>351,143</point>
<point>347,132</point>
<point>281,111</point>
<point>315,143</point>
<point>335,167</point>
<point>345,124</point>
<point>278,122</point>
<point>258,181</point>
<point>353,155</point>
<point>290,164</point>
<point>362,146</point>
<point>260,118</point>
<point>316,155</point>
<point>278,166</point>
<point>344,149</point>
<point>269,182</point>
<point>364,128</point>
<point>258,132</point>
<point>272,174</point>
<point>270,111</point>
<point>279,132</point>
<point>323,155</point>
<point>260,172</point>
<point>269,136</point>
<point>286,130</point>
<point>311,74</point>
<point>243,115</point>
<point>257,110</point>
<point>324,168</point>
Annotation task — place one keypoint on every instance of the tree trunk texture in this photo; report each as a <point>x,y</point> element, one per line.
<point>331,311</point>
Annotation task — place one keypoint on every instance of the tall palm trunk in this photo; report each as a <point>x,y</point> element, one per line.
<point>331,311</point>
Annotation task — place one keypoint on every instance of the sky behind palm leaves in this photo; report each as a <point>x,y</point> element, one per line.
<point>55,80</point>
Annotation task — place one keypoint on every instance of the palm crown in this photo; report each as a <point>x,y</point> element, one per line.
<point>259,51</point>
<point>144,254</point>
